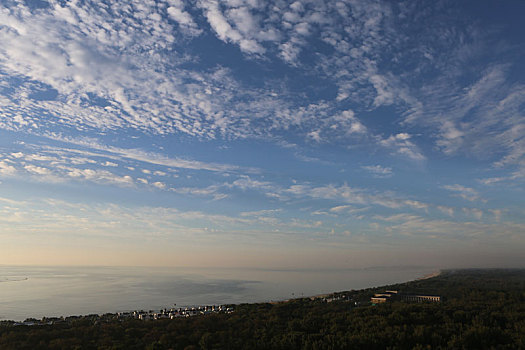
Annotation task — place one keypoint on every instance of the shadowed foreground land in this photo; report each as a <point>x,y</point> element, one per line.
<point>481,309</point>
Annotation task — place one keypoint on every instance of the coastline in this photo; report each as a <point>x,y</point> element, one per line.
<point>327,295</point>
<point>430,275</point>
<point>344,320</point>
<point>126,289</point>
<point>183,312</point>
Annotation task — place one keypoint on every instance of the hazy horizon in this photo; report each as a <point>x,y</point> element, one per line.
<point>303,134</point>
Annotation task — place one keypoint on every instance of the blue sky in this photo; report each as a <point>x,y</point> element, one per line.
<point>325,134</point>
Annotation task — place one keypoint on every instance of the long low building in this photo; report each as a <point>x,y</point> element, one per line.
<point>422,298</point>
<point>395,295</point>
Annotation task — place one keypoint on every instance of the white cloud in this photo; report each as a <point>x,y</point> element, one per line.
<point>17,154</point>
<point>241,34</point>
<point>265,212</point>
<point>12,202</point>
<point>348,209</point>
<point>378,171</point>
<point>314,135</point>
<point>55,164</point>
<point>37,170</point>
<point>340,208</point>
<point>100,176</point>
<point>446,210</point>
<point>385,96</point>
<point>109,164</point>
<point>183,18</point>
<point>118,153</point>
<point>347,194</point>
<point>497,214</point>
<point>213,191</point>
<point>415,204</point>
<point>466,193</point>
<point>142,181</point>
<point>159,185</point>
<point>398,218</point>
<point>348,122</point>
<point>482,119</point>
<point>401,144</point>
<point>127,62</point>
<point>129,66</point>
<point>6,169</point>
<point>245,183</point>
<point>519,174</point>
<point>477,213</point>
<point>61,167</point>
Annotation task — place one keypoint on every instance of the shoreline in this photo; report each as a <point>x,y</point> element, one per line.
<point>186,311</point>
<point>430,275</point>
<point>423,274</point>
<point>326,295</point>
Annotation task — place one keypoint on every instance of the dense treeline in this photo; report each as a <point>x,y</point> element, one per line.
<point>482,309</point>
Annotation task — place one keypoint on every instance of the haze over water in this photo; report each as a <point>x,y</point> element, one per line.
<point>64,291</point>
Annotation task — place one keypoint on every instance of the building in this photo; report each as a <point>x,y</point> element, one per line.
<point>388,295</point>
<point>422,298</point>
<point>383,297</point>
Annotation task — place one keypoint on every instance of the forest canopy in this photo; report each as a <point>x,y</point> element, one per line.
<point>480,309</point>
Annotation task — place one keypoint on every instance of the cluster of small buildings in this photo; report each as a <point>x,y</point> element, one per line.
<point>139,315</point>
<point>337,297</point>
<point>395,295</point>
<point>175,313</point>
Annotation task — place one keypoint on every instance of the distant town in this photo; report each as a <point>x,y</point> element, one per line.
<point>171,313</point>
<point>183,312</point>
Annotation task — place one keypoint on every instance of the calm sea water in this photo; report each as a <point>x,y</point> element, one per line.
<point>62,291</point>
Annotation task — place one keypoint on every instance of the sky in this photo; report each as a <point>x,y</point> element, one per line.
<point>268,134</point>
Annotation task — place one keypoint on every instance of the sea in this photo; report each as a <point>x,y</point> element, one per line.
<point>38,291</point>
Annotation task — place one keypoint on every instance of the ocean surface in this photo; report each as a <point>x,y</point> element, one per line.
<point>64,291</point>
